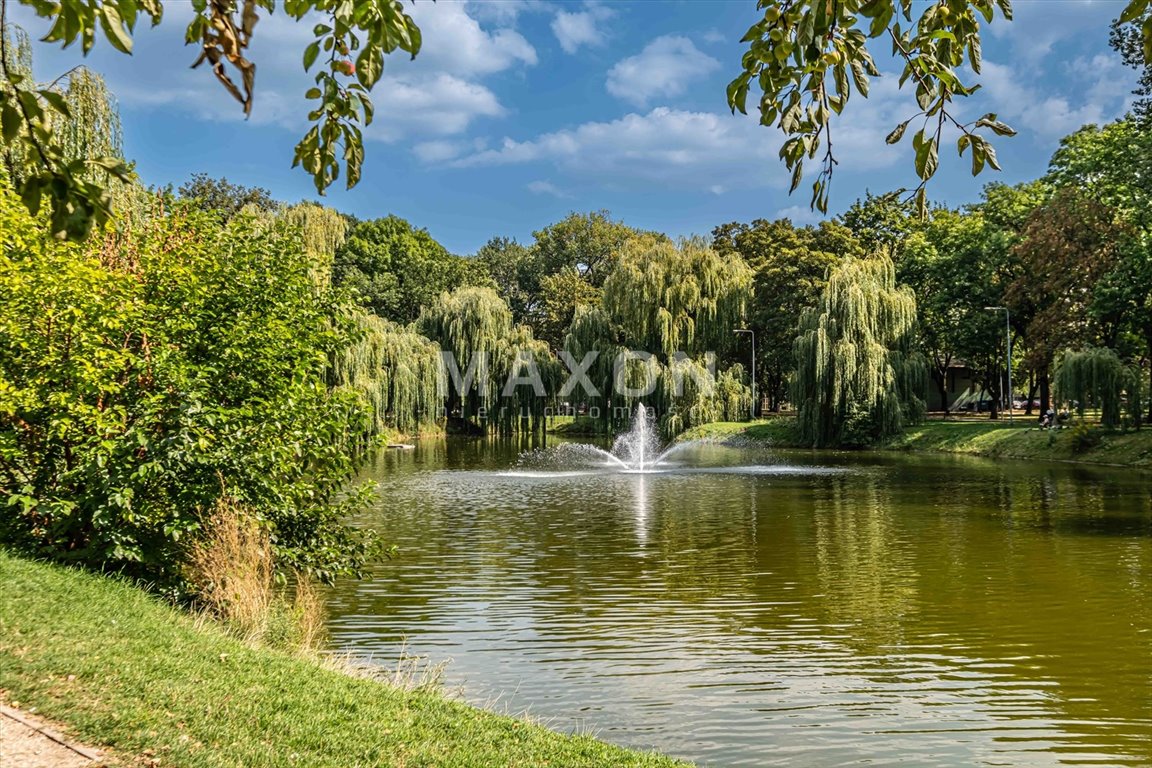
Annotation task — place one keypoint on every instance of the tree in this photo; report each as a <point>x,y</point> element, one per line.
<point>857,378</point>
<point>395,370</point>
<point>224,197</point>
<point>62,140</point>
<point>665,307</point>
<point>366,31</point>
<point>395,269</point>
<point>882,223</point>
<point>1096,376</point>
<point>513,270</point>
<point>790,264</point>
<point>1112,164</point>
<point>561,296</point>
<point>807,56</point>
<point>148,376</point>
<point>1127,39</point>
<point>585,242</point>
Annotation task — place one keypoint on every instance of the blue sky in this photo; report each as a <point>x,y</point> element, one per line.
<point>518,112</point>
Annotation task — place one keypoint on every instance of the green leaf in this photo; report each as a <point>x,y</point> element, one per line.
<point>310,54</point>
<point>57,102</point>
<point>10,122</point>
<point>369,66</point>
<point>1133,11</point>
<point>113,27</point>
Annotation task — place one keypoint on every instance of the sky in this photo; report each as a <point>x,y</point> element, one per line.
<point>518,112</point>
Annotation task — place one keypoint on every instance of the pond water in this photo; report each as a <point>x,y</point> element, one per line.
<point>752,607</point>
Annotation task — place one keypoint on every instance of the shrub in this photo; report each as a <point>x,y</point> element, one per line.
<point>144,374</point>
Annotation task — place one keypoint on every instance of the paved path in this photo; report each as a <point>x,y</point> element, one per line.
<point>28,742</point>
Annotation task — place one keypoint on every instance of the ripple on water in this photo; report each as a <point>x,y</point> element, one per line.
<point>738,610</point>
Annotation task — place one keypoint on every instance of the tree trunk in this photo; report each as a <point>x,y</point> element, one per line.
<point>1031,392</point>
<point>1045,391</point>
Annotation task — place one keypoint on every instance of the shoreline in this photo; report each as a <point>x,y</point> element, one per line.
<point>149,684</point>
<point>989,439</point>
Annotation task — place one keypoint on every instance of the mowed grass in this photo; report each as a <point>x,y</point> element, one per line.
<point>1026,441</point>
<point>121,670</point>
<point>983,437</point>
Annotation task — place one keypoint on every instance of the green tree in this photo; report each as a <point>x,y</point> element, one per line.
<point>224,197</point>
<point>667,305</point>
<point>513,270</point>
<point>144,378</point>
<point>1112,164</point>
<point>1127,39</point>
<point>395,269</point>
<point>857,378</point>
<point>882,223</point>
<point>790,264</point>
<point>588,243</point>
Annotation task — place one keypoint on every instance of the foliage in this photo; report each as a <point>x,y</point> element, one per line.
<point>395,269</point>
<point>396,370</point>
<point>61,141</point>
<point>324,230</point>
<point>1098,377</point>
<point>224,197</point>
<point>513,269</point>
<point>364,31</point>
<point>665,307</point>
<point>561,295</point>
<point>807,57</point>
<point>147,376</point>
<point>1127,39</point>
<point>882,223</point>
<point>857,380</point>
<point>1083,437</point>
<point>1067,246</point>
<point>790,264</point>
<point>588,243</point>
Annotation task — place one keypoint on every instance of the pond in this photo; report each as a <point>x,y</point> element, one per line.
<point>755,607</point>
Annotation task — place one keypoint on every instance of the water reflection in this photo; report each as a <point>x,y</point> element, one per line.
<point>883,609</point>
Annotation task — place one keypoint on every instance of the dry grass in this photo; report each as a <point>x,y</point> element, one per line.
<point>231,568</point>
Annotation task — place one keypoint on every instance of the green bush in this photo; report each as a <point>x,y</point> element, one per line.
<point>146,375</point>
<point>1084,437</point>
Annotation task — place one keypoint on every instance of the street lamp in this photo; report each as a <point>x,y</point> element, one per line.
<point>753,334</point>
<point>1008,336</point>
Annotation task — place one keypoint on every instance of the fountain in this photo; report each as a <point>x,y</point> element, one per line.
<point>636,451</point>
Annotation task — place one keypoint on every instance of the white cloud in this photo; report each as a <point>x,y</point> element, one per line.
<point>454,42</point>
<point>1100,97</point>
<point>686,149</point>
<point>702,151</point>
<point>547,188</point>
<point>663,69</point>
<point>713,36</point>
<point>437,151</point>
<point>573,30</point>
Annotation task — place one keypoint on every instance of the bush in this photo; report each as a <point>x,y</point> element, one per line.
<point>146,376</point>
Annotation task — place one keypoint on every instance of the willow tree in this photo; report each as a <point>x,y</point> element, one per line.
<point>857,379</point>
<point>324,230</point>
<point>1098,377</point>
<point>492,370</point>
<point>84,139</point>
<point>472,325</point>
<point>663,308</point>
<point>674,297</point>
<point>395,370</point>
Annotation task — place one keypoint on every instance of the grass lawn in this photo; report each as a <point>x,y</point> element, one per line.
<point>121,670</point>
<point>978,437</point>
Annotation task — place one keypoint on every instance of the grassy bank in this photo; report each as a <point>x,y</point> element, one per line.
<point>123,671</point>
<point>995,439</point>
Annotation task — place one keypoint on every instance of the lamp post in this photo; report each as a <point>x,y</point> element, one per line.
<point>1008,336</point>
<point>753,334</point>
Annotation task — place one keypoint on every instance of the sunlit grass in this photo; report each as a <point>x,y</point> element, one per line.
<point>122,670</point>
